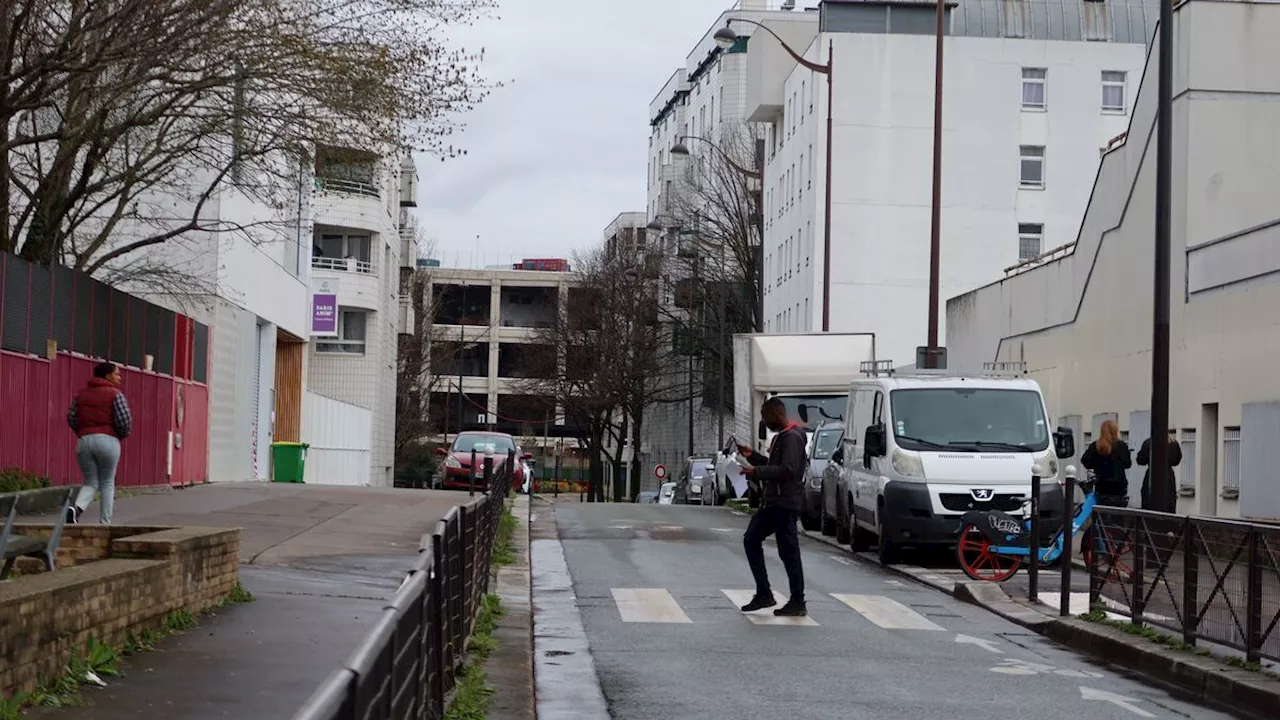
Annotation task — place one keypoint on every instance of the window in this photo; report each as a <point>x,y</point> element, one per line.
<point>1033,88</point>
<point>1030,240</point>
<point>802,84</point>
<point>351,334</point>
<point>1032,170</point>
<point>806,314</point>
<point>1187,468</point>
<point>1231,462</point>
<point>1113,91</point>
<point>811,165</point>
<point>351,253</point>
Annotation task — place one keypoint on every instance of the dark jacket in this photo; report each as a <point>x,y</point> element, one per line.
<point>1171,485</point>
<point>100,409</point>
<point>781,472</point>
<point>1110,468</point>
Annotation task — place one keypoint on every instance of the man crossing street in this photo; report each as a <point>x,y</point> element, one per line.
<point>781,477</point>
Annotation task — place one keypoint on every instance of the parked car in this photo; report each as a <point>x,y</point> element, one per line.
<point>667,494</point>
<point>697,475</point>
<point>457,459</point>
<point>824,441</point>
<point>647,497</point>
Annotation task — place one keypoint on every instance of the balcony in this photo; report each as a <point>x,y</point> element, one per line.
<point>346,265</point>
<point>347,187</point>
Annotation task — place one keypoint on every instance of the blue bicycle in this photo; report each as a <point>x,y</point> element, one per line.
<point>992,545</point>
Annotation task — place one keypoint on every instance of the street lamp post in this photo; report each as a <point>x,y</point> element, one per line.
<point>935,220</point>
<point>1164,232</point>
<point>725,37</point>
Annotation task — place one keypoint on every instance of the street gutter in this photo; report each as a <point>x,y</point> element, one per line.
<point>1205,678</point>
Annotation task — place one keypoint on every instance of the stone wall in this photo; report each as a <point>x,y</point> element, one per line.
<point>145,574</point>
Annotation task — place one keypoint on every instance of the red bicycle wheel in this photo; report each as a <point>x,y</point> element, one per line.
<point>973,551</point>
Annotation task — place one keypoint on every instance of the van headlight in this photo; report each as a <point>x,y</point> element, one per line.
<point>1049,463</point>
<point>907,464</point>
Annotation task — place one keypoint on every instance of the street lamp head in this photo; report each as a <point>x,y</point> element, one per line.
<point>725,37</point>
<point>680,149</point>
<point>655,225</point>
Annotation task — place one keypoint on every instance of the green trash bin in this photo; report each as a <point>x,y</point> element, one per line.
<point>287,460</point>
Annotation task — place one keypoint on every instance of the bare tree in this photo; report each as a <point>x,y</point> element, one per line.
<point>121,121</point>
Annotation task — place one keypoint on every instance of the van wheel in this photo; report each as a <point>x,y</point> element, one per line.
<point>861,540</point>
<point>886,550</point>
<point>842,525</point>
<point>828,524</point>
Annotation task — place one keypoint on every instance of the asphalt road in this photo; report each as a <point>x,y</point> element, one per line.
<point>668,642</point>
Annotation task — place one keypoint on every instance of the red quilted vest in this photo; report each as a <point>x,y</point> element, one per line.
<point>93,408</point>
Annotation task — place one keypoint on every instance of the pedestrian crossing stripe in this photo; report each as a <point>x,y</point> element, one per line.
<point>766,616</point>
<point>887,612</point>
<point>657,605</point>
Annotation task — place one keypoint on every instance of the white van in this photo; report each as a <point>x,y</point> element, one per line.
<point>923,447</point>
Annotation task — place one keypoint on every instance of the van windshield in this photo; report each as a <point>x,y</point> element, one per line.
<point>820,407</point>
<point>971,419</point>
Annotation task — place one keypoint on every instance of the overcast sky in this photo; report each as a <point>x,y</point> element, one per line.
<point>559,151</point>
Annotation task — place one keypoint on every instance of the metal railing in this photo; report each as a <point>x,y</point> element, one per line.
<point>363,267</point>
<point>1208,579</point>
<point>348,187</point>
<point>408,663</point>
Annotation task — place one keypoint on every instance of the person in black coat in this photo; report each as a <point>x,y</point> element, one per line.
<point>1170,504</point>
<point>1108,457</point>
<point>781,478</point>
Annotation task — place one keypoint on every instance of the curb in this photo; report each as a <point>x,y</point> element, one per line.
<point>1203,677</point>
<point>510,667</point>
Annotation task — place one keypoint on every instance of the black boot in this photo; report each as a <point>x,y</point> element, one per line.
<point>792,609</point>
<point>760,602</point>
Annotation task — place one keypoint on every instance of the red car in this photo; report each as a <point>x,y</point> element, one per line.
<point>457,459</point>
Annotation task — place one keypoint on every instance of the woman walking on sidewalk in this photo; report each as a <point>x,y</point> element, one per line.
<point>100,417</point>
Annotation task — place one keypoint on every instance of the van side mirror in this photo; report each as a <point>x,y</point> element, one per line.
<point>1064,443</point>
<point>837,457</point>
<point>804,413</point>
<point>763,432</point>
<point>876,443</point>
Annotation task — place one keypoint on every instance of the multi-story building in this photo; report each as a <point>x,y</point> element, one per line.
<point>1033,89</point>
<point>1082,320</point>
<point>488,340</point>
<point>703,107</point>
<point>363,239</point>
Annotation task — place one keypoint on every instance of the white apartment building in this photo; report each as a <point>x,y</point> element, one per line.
<point>1033,89</point>
<point>486,346</point>
<point>1082,320</point>
<point>363,236</point>
<point>702,104</point>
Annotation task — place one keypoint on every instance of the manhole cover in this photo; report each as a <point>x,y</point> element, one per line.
<point>558,653</point>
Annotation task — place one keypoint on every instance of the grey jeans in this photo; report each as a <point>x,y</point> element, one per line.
<point>98,456</point>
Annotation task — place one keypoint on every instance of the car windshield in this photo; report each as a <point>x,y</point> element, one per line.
<point>828,441</point>
<point>700,469</point>
<point>483,444</point>
<point>971,419</point>
<point>820,407</point>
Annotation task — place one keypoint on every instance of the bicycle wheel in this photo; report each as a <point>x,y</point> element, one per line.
<point>973,551</point>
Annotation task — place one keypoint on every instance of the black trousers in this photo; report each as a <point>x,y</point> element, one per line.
<point>782,522</point>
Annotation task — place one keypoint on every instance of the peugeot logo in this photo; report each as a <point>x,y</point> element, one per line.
<point>982,494</point>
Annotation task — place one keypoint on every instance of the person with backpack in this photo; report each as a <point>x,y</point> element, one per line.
<point>780,478</point>
<point>1170,504</point>
<point>100,418</point>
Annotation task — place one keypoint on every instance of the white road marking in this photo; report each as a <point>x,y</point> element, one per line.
<point>887,613</point>
<point>648,605</point>
<point>988,645</point>
<point>766,616</point>
<point>1014,666</point>
<point>620,527</point>
<point>723,530</point>
<point>899,583</point>
<point>670,528</point>
<point>1120,700</point>
<point>740,514</point>
<point>841,560</point>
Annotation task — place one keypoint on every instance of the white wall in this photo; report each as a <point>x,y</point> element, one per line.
<point>239,440</point>
<point>882,173</point>
<point>1083,323</point>
<point>340,440</point>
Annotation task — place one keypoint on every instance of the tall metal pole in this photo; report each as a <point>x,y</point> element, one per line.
<point>720,318</point>
<point>1160,326</point>
<point>462,348</point>
<point>826,223</point>
<point>689,349</point>
<point>759,323</point>
<point>935,224</point>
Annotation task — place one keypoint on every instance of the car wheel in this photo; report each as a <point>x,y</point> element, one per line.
<point>828,524</point>
<point>809,522</point>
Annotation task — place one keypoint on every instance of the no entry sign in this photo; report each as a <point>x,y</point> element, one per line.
<point>659,471</point>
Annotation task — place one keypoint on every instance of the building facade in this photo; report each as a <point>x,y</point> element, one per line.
<point>1082,320</point>
<point>1032,91</point>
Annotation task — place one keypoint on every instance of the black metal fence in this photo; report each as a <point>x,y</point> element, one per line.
<point>1207,579</point>
<point>407,664</point>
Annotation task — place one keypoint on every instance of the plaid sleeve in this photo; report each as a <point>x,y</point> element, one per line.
<point>73,415</point>
<point>121,417</point>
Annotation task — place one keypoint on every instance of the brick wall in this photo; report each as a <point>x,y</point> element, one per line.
<point>47,618</point>
<point>80,543</point>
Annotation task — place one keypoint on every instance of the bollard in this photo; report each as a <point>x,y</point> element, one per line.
<point>1033,571</point>
<point>471,474</point>
<point>1068,539</point>
<point>488,471</point>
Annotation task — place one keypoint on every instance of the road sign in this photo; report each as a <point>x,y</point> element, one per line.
<point>660,471</point>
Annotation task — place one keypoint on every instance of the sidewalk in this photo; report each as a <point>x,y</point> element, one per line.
<point>320,562</point>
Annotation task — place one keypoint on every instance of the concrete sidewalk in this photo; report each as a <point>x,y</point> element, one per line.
<point>319,560</point>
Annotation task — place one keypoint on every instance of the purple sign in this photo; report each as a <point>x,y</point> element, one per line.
<point>324,314</point>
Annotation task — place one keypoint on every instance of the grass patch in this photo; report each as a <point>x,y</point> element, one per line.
<point>474,695</point>
<point>103,660</point>
<point>1099,615</point>
<point>504,549</point>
